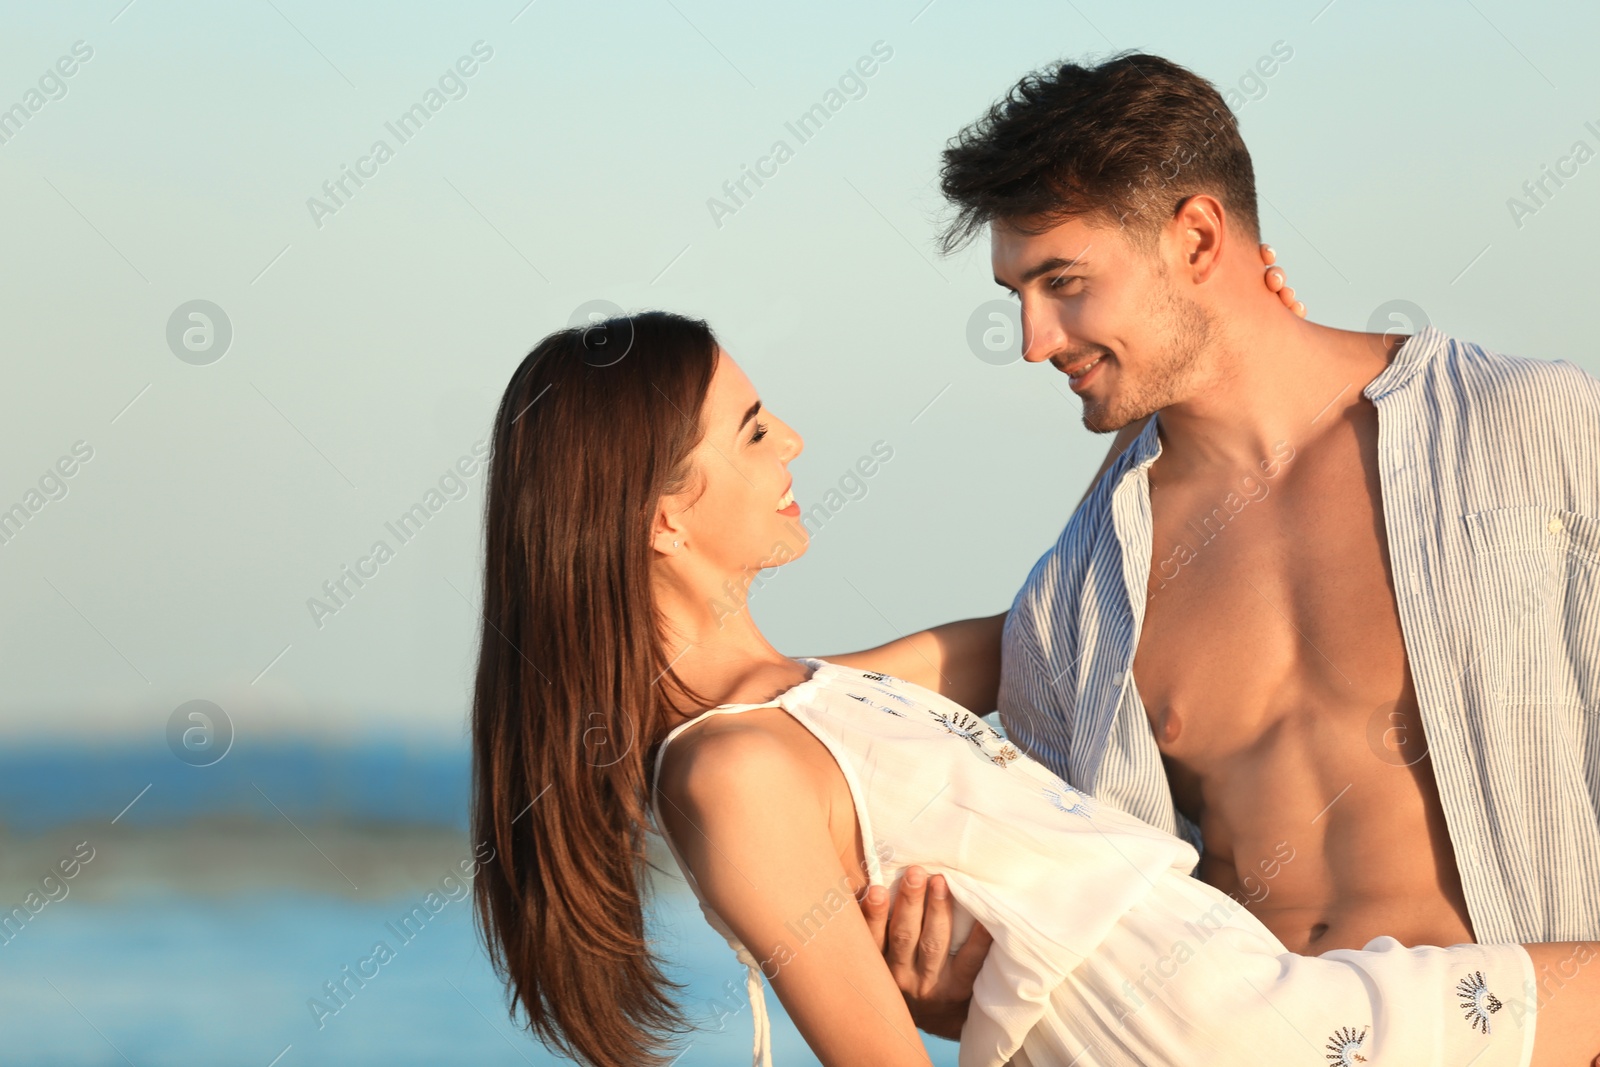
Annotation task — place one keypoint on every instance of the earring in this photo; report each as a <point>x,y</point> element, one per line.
<point>674,544</point>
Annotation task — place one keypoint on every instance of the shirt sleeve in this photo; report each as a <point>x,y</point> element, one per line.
<point>1036,709</point>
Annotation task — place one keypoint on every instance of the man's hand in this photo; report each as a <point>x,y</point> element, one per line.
<point>916,944</point>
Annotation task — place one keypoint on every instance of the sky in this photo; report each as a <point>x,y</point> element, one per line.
<point>251,374</point>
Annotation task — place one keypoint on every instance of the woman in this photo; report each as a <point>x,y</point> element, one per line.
<point>636,485</point>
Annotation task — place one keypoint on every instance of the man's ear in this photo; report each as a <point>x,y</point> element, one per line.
<point>1200,229</point>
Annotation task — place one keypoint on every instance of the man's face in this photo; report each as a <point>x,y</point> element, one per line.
<point>1112,318</point>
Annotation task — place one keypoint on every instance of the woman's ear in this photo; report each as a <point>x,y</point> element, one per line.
<point>667,534</point>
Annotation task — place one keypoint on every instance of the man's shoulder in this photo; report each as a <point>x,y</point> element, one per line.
<point>1495,430</point>
<point>1490,379</point>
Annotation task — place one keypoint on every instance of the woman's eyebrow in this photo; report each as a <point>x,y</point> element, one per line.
<point>750,414</point>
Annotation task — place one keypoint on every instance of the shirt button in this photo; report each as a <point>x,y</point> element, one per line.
<point>1555,526</point>
<point>1116,679</point>
<point>1416,586</point>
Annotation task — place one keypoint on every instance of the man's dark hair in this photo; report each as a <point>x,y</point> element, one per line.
<point>1124,142</point>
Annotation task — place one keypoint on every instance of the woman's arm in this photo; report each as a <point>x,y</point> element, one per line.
<point>960,660</point>
<point>749,817</point>
<point>1567,1032</point>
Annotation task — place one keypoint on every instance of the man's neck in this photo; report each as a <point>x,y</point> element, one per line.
<point>1271,379</point>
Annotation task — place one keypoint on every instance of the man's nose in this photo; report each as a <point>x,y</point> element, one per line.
<point>1043,334</point>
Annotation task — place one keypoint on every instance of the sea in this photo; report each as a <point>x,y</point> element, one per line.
<point>210,908</point>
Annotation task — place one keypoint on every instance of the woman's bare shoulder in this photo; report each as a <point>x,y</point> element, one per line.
<point>756,780</point>
<point>735,757</point>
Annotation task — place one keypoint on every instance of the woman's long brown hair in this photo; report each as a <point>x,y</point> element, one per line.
<point>595,427</point>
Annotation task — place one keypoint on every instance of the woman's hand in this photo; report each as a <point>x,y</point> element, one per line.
<point>1277,281</point>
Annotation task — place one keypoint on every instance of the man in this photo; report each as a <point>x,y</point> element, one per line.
<point>1334,612</point>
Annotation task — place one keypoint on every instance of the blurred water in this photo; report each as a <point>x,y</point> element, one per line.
<point>167,980</point>
<point>187,942</point>
<point>44,784</point>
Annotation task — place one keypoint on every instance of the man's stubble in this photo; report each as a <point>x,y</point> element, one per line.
<point>1184,331</point>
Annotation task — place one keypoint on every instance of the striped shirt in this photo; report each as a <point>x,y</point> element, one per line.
<point>1489,467</point>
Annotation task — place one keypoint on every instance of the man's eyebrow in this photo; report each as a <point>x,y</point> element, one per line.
<point>1054,263</point>
<point>750,414</point>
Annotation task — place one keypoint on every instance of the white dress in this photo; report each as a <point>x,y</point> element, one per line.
<point>1106,951</point>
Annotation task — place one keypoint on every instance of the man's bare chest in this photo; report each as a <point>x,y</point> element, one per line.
<point>1268,594</point>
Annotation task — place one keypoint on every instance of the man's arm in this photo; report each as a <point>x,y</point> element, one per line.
<point>960,660</point>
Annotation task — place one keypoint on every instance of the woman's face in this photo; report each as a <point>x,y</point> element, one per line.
<point>740,514</point>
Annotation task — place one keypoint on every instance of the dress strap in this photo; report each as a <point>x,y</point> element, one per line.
<point>755,992</point>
